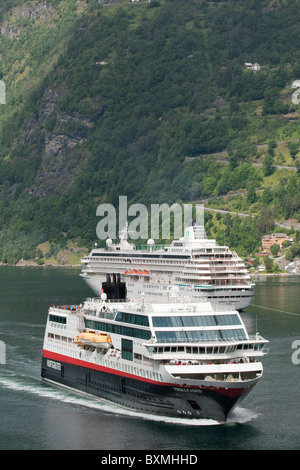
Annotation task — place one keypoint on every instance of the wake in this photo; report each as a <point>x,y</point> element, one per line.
<point>45,391</point>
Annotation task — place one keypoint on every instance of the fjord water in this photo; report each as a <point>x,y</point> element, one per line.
<point>35,415</point>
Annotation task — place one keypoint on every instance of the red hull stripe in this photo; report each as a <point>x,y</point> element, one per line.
<point>231,392</point>
<point>89,365</point>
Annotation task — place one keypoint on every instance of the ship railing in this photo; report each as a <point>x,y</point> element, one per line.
<point>217,362</point>
<point>65,308</point>
<point>224,306</point>
<point>251,339</point>
<point>102,301</point>
<point>107,315</point>
<point>256,337</point>
<point>197,342</point>
<point>144,361</point>
<point>158,247</point>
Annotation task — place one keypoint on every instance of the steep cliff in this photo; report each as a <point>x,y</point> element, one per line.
<point>129,98</point>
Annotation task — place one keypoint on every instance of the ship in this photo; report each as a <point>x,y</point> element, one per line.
<point>192,262</point>
<point>181,358</point>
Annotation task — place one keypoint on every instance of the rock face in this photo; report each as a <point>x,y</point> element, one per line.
<point>61,134</point>
<point>50,146</point>
<point>293,267</point>
<point>40,9</point>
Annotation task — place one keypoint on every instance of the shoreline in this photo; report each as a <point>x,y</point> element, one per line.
<point>275,274</point>
<point>36,265</point>
<point>32,264</point>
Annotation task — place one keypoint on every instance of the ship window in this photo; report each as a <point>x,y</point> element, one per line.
<point>194,321</point>
<point>231,319</point>
<point>188,336</point>
<point>118,329</point>
<point>127,349</point>
<point>58,319</point>
<point>199,335</point>
<point>194,405</point>
<point>189,321</point>
<point>132,318</point>
<point>171,336</point>
<point>233,334</point>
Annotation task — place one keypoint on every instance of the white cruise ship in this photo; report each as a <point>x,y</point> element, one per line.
<point>182,358</point>
<point>194,262</point>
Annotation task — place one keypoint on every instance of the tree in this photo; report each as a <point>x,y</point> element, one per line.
<point>293,148</point>
<point>251,195</point>
<point>265,221</point>
<point>271,146</point>
<point>275,249</point>
<point>293,252</point>
<point>268,264</point>
<point>267,196</point>
<point>268,167</point>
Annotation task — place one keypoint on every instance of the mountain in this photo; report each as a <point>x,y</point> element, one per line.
<point>151,100</point>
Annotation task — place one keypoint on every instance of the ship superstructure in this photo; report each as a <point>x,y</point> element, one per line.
<point>193,261</point>
<point>182,358</point>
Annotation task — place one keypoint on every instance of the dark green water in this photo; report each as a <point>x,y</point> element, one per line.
<point>38,416</point>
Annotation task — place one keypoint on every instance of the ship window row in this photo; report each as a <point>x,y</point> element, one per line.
<point>57,319</point>
<point>212,256</point>
<point>205,350</point>
<point>132,318</point>
<point>195,336</point>
<point>118,329</point>
<point>156,256</point>
<point>104,312</point>
<point>203,320</point>
<point>137,371</point>
<point>64,339</point>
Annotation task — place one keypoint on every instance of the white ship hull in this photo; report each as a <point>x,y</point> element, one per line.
<point>240,299</point>
<point>178,358</point>
<point>193,262</point>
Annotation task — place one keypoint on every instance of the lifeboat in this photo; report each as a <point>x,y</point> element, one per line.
<point>91,338</point>
<point>136,272</point>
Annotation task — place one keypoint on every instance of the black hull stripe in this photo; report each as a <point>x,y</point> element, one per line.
<point>230,392</point>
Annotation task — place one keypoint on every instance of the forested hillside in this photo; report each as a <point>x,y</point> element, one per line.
<point>150,100</point>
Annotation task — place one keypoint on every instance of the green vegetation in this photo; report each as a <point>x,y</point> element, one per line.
<point>138,99</point>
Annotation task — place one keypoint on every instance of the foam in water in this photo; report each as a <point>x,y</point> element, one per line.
<point>43,390</point>
<point>242,415</point>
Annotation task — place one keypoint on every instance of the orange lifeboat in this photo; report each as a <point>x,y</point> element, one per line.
<point>94,339</point>
<point>136,272</point>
